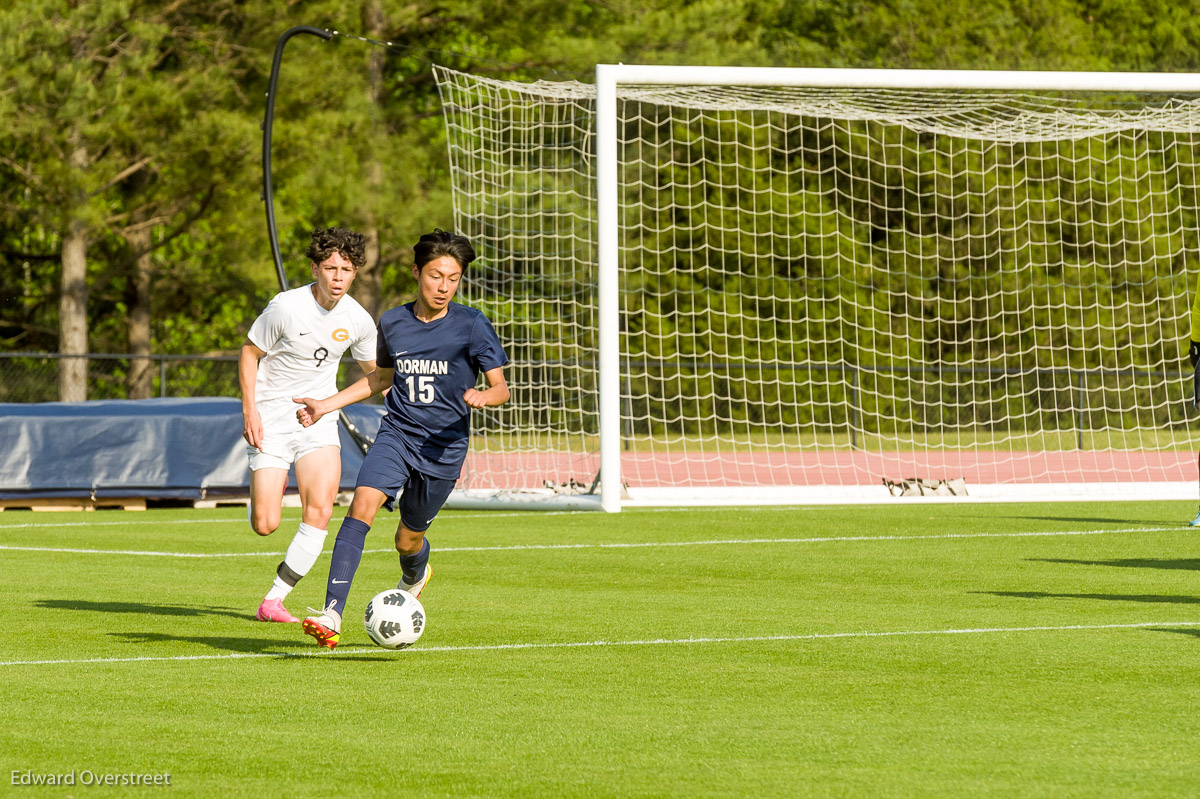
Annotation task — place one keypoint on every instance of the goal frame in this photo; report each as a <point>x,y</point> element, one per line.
<point>610,76</point>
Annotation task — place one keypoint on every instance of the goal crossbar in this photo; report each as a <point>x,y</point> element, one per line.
<point>609,76</point>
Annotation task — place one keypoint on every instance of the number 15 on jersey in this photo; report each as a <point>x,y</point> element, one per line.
<point>420,388</point>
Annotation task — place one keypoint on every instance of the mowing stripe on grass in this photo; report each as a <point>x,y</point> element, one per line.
<point>588,644</point>
<point>620,545</point>
<point>236,520</point>
<point>147,553</point>
<point>452,516</point>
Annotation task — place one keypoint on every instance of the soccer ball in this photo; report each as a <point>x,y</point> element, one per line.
<point>394,619</point>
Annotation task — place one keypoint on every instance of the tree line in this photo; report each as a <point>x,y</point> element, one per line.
<point>130,211</point>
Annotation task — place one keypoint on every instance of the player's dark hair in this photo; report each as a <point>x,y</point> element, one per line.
<point>325,242</point>
<point>432,246</point>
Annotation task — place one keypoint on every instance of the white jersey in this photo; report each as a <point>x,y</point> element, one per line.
<point>304,343</point>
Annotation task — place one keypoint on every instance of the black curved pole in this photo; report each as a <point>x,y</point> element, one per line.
<point>268,194</point>
<point>363,442</point>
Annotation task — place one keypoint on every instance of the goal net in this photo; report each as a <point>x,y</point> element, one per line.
<point>832,293</point>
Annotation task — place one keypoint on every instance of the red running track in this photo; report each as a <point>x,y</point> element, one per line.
<point>524,470</point>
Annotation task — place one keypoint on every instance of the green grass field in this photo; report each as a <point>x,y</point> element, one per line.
<point>903,650</point>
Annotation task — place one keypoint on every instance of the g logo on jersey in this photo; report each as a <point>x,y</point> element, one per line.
<point>341,334</point>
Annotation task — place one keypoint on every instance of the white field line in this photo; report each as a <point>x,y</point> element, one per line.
<point>630,545</point>
<point>597,644</point>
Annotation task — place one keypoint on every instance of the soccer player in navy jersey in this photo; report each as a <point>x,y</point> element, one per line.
<point>430,352</point>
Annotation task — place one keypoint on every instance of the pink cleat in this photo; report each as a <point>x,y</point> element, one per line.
<point>273,610</point>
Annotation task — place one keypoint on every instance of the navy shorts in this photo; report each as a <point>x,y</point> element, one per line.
<point>421,496</point>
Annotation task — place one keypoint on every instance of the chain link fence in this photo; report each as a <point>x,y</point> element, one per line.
<point>33,376</point>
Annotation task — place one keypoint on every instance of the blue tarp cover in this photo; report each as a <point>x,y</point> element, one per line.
<point>158,448</point>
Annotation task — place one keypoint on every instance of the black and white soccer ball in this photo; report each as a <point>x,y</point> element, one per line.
<point>394,619</point>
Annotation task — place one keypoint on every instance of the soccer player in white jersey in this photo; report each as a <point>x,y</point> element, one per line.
<point>293,349</point>
<point>431,353</point>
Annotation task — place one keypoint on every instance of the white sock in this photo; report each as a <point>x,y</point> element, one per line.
<point>279,590</point>
<point>302,553</point>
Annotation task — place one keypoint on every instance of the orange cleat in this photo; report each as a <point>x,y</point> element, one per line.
<point>326,627</point>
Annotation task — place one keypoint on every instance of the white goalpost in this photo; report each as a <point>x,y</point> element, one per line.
<point>754,286</point>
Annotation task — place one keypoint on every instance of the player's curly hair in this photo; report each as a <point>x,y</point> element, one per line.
<point>432,246</point>
<point>325,242</point>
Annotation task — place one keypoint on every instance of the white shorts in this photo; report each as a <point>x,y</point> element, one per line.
<point>285,441</point>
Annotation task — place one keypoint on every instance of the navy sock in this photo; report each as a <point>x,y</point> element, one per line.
<point>413,566</point>
<point>347,552</point>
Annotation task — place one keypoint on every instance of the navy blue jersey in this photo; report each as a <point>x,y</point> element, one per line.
<point>435,362</point>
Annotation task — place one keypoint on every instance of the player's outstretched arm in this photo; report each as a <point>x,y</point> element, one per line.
<point>313,409</point>
<point>495,394</point>
<point>252,429</point>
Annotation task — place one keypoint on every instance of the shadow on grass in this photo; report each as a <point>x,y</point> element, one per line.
<point>143,608</point>
<point>1181,630</point>
<point>257,646</point>
<point>1189,564</point>
<point>1173,600</point>
<point>222,642</point>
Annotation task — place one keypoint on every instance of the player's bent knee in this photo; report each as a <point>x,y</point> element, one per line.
<point>364,515</point>
<point>318,517</point>
<point>409,541</point>
<point>263,524</point>
<point>366,505</point>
